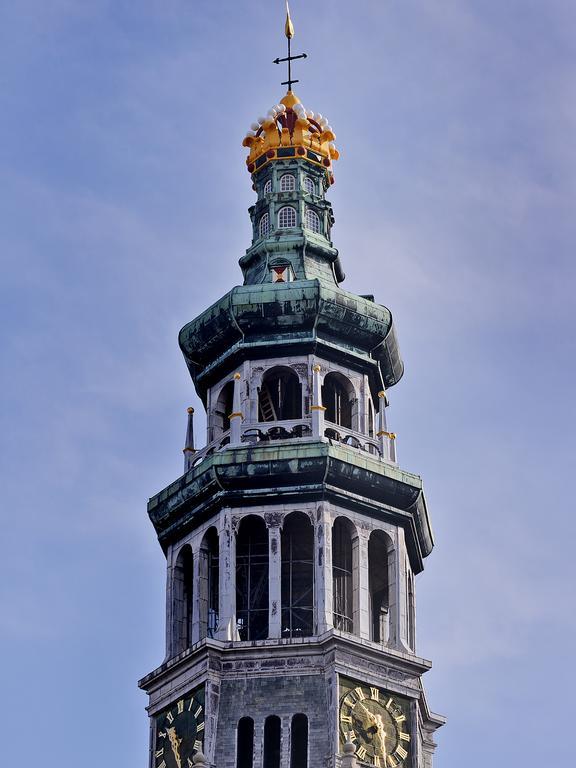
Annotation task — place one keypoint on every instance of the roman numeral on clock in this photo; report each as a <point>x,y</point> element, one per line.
<point>374,694</point>
<point>361,752</point>
<point>360,693</point>
<point>401,752</point>
<point>200,727</point>
<point>197,745</point>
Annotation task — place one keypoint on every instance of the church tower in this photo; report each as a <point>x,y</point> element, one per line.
<point>293,537</point>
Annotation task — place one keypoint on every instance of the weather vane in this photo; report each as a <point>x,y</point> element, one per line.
<point>289,32</point>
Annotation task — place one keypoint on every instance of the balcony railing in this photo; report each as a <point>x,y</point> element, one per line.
<point>262,432</point>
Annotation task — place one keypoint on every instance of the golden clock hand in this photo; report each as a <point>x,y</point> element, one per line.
<point>175,744</point>
<point>371,716</point>
<point>381,734</point>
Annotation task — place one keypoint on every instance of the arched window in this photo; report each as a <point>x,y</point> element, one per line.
<point>309,185</point>
<point>245,743</point>
<point>182,593</point>
<point>209,576</point>
<point>272,738</point>
<point>280,395</point>
<point>313,221</point>
<point>286,217</point>
<point>378,582</point>
<point>297,545</point>
<point>223,409</point>
<point>252,579</point>
<point>299,742</point>
<point>268,186</point>
<point>264,228</point>
<point>337,395</point>
<point>342,583</point>
<point>287,183</point>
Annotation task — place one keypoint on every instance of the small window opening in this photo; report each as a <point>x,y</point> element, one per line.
<point>223,408</point>
<point>342,575</point>
<point>252,579</point>
<point>378,585</point>
<point>337,399</point>
<point>313,221</point>
<point>286,217</point>
<point>309,185</point>
<point>272,738</point>
<point>264,228</point>
<point>280,396</point>
<point>268,186</point>
<point>282,274</point>
<point>209,577</point>
<point>297,545</point>
<point>287,183</point>
<point>182,597</point>
<point>245,743</point>
<point>299,742</point>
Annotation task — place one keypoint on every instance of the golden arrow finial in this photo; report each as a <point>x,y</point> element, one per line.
<point>288,27</point>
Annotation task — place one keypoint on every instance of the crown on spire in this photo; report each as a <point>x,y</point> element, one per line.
<point>289,129</point>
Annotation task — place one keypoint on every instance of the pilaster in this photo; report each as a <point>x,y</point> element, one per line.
<point>323,569</point>
<point>227,577</point>
<point>274,524</point>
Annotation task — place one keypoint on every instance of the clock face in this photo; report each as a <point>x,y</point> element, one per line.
<point>377,724</point>
<point>180,732</point>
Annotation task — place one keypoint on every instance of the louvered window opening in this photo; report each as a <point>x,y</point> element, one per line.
<point>252,580</point>
<point>297,544</point>
<point>342,577</point>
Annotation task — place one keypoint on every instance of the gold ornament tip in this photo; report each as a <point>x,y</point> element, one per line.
<point>237,376</point>
<point>190,410</point>
<point>288,27</point>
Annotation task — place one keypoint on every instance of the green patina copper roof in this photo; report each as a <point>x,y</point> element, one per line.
<point>255,321</point>
<point>295,471</point>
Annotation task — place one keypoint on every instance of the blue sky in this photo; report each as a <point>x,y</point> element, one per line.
<point>123,215</point>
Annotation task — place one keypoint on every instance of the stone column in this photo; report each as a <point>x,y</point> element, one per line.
<point>189,449</point>
<point>361,597</point>
<point>323,570</point>
<point>196,595</point>
<point>236,416</point>
<point>317,408</point>
<point>386,439</point>
<point>169,605</point>
<point>274,524</point>
<point>403,641</point>
<point>227,577</point>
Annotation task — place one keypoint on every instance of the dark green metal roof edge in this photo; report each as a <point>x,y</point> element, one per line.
<point>295,314</point>
<point>295,472</point>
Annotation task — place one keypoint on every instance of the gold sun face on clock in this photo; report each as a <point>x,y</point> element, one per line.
<point>377,724</point>
<point>180,732</point>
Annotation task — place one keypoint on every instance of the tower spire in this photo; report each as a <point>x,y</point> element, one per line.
<point>289,32</point>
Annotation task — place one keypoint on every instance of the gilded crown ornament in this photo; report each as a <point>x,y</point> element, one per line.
<point>289,129</point>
